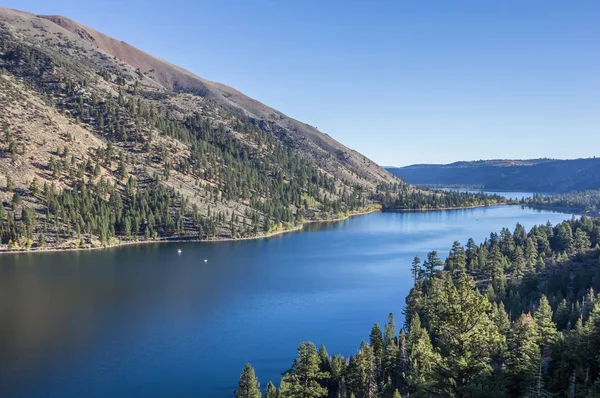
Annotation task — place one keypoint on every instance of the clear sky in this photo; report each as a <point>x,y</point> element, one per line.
<point>400,81</point>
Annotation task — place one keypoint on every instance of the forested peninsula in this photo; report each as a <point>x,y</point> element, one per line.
<point>495,319</point>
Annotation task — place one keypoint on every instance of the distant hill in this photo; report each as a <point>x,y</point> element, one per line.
<point>538,175</point>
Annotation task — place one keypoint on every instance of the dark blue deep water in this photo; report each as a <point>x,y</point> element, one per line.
<point>143,321</point>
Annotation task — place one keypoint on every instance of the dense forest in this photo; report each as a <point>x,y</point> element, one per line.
<point>515,316</point>
<point>535,175</point>
<point>587,202</point>
<point>401,197</point>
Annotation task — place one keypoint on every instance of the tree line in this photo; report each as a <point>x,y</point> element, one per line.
<point>587,202</point>
<point>403,197</point>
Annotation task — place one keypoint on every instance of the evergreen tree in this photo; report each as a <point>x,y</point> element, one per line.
<point>416,270</point>
<point>523,355</point>
<point>271,391</point>
<point>581,242</point>
<point>466,336</point>
<point>9,184</point>
<point>364,373</point>
<point>248,386</point>
<point>546,328</point>
<point>562,314</point>
<point>390,362</point>
<point>456,262</point>
<point>421,358</point>
<point>324,360</point>
<point>337,385</point>
<point>402,364</point>
<point>376,341</point>
<point>389,330</point>
<point>432,263</point>
<point>302,381</point>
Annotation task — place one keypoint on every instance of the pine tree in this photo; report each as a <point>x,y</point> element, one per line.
<point>376,341</point>
<point>546,328</point>
<point>581,242</point>
<point>248,386</point>
<point>339,368</point>
<point>456,262</point>
<point>365,372</point>
<point>9,184</point>
<point>501,319</point>
<point>302,381</point>
<point>16,201</point>
<point>324,360</point>
<point>389,330</point>
<point>523,355</point>
<point>432,263</point>
<point>421,358</point>
<point>390,362</point>
<point>416,270</point>
<point>271,391</point>
<point>465,335</point>
<point>561,316</point>
<point>400,371</point>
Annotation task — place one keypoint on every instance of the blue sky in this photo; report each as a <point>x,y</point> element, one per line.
<point>401,81</point>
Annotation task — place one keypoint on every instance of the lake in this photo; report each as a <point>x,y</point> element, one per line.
<point>145,321</point>
<point>518,195</point>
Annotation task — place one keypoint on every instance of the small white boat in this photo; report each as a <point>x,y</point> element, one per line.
<point>205,260</point>
<point>178,251</point>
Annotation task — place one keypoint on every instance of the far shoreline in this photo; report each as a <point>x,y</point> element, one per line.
<point>184,239</point>
<point>298,228</point>
<point>445,208</point>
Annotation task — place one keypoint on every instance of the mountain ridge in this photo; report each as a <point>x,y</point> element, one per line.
<point>103,142</point>
<point>175,78</point>
<point>539,175</point>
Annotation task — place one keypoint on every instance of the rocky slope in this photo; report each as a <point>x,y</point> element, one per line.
<point>86,115</point>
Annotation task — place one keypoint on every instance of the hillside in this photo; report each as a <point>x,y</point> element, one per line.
<point>536,175</point>
<point>495,320</point>
<point>102,142</point>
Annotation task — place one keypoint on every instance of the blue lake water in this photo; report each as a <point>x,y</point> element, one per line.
<point>144,321</point>
<point>507,194</point>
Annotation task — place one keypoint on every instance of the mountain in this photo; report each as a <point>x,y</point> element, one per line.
<point>536,175</point>
<point>101,140</point>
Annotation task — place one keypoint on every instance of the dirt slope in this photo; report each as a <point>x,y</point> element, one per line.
<point>330,154</point>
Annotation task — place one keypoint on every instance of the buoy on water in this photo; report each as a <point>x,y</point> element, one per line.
<point>178,251</point>
<point>205,260</point>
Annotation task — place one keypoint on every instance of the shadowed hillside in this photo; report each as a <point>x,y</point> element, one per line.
<point>537,175</point>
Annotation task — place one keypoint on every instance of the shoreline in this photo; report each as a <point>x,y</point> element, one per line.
<point>191,238</point>
<point>445,208</point>
<point>559,209</point>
